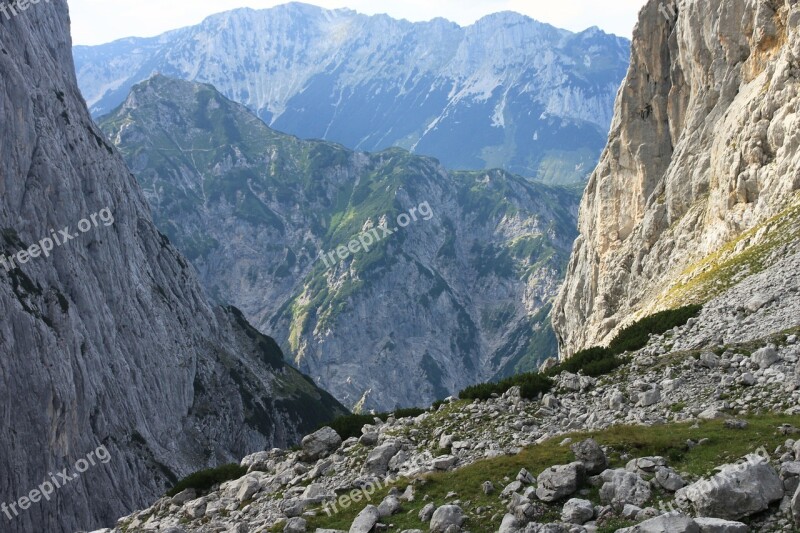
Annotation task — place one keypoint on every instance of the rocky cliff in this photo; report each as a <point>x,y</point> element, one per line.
<point>507,92</point>
<point>458,296</point>
<point>697,188</point>
<point>107,339</point>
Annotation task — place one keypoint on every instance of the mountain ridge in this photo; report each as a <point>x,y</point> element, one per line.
<point>453,298</point>
<point>503,92</point>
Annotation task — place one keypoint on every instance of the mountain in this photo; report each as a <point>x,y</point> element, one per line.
<point>698,187</point>
<point>459,295</point>
<point>507,92</point>
<point>109,348</point>
<point>687,421</point>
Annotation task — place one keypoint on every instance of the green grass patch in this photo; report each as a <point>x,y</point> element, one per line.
<point>669,440</point>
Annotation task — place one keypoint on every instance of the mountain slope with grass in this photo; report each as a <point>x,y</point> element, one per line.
<point>685,434</point>
<point>506,92</point>
<point>461,294</point>
<point>109,339</point>
<point>698,187</point>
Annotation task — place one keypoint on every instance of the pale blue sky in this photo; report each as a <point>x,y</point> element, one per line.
<point>100,21</point>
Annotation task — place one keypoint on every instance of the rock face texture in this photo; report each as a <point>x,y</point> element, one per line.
<point>697,188</point>
<point>456,297</point>
<point>110,340</point>
<point>507,92</point>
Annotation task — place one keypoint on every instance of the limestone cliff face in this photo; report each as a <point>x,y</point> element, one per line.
<point>697,186</point>
<point>110,340</point>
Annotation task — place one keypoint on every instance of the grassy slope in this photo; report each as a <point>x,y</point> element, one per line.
<point>724,446</point>
<point>717,272</point>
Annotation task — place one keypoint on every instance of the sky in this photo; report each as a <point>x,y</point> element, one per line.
<point>102,21</point>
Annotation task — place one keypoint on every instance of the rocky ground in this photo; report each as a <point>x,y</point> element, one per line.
<point>509,464</point>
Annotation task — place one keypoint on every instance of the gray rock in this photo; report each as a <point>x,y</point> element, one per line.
<point>630,511</point>
<point>389,506</point>
<point>669,479</point>
<point>577,511</point>
<point>547,364</point>
<point>765,357</point>
<point>510,524</point>
<point>648,398</point>
<point>377,462</point>
<point>623,487</point>
<point>645,465</point>
<point>320,444</point>
<point>369,439</point>
<point>445,462</point>
<point>666,523</point>
<point>559,481</point>
<point>445,517</point>
<point>795,507</point>
<point>508,490</point>
<point>525,477</point>
<point>736,491</point>
<point>591,455</point>
<point>735,423</point>
<point>426,513</point>
<point>196,508</point>
<point>717,525</point>
<point>365,520</point>
<point>295,525</point>
<point>184,496</point>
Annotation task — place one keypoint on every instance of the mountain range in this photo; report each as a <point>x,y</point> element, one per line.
<point>506,92</point>
<point>460,295</point>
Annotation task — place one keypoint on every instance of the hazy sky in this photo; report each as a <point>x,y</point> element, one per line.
<point>100,21</point>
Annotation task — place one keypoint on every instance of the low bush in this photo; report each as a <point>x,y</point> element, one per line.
<point>531,384</point>
<point>350,425</point>
<point>635,336</point>
<point>599,361</point>
<point>410,412</point>
<point>205,479</point>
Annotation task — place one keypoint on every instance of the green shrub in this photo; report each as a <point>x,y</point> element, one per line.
<point>599,361</point>
<point>205,479</point>
<point>350,425</point>
<point>593,362</point>
<point>635,336</point>
<point>410,412</point>
<point>531,385</point>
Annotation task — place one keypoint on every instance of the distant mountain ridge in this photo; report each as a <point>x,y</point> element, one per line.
<point>506,92</point>
<point>457,297</point>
